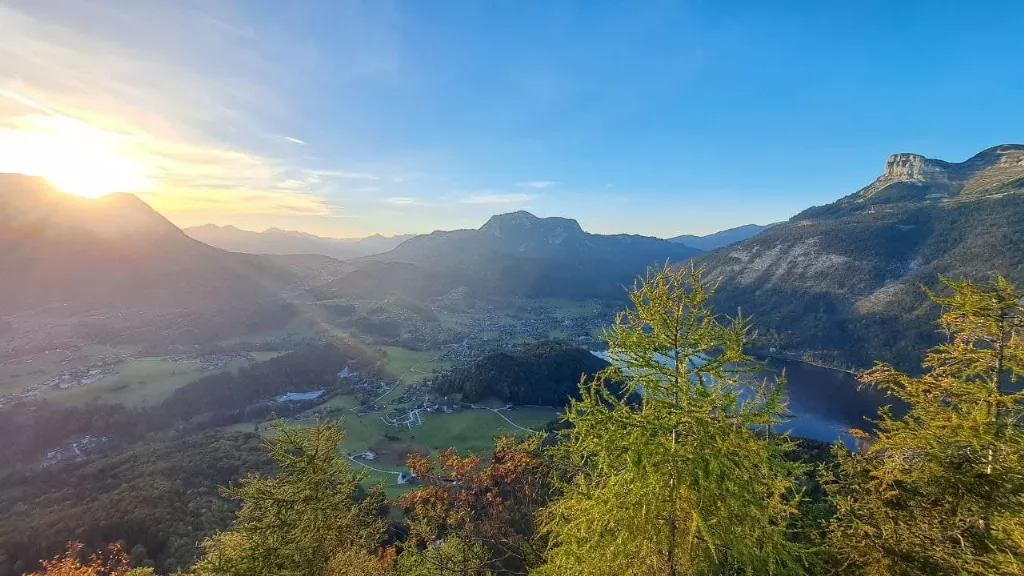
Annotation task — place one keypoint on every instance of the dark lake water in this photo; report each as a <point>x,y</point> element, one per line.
<point>824,403</point>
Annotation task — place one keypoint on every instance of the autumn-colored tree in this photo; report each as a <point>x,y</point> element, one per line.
<point>486,508</point>
<point>941,490</point>
<point>75,562</point>
<point>669,468</point>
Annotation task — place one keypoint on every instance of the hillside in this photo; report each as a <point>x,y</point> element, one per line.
<point>516,254</point>
<point>285,242</point>
<point>117,253</point>
<point>722,238</point>
<point>844,279</point>
<point>541,374</point>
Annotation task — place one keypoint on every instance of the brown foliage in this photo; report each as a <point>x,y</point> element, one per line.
<point>73,562</point>
<point>494,504</point>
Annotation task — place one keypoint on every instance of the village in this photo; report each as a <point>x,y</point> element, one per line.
<point>75,370</point>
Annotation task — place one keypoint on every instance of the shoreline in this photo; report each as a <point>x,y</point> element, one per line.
<point>792,357</point>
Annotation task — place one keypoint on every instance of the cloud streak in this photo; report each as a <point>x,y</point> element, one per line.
<point>538,184</point>
<point>402,201</point>
<point>344,174</point>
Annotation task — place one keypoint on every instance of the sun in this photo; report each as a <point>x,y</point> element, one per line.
<point>94,173</point>
<point>73,156</point>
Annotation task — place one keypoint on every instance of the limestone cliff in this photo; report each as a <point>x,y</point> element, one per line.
<point>914,177</point>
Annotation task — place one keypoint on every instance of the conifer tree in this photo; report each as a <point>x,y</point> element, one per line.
<point>303,519</point>
<point>452,556</point>
<point>670,469</point>
<point>941,490</point>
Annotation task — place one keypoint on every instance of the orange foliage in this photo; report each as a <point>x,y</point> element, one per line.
<point>73,562</point>
<point>493,503</point>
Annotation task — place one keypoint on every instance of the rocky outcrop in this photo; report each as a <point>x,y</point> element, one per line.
<point>915,177</point>
<point>525,227</point>
<point>914,167</point>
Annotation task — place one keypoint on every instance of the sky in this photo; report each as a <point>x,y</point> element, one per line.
<point>348,118</point>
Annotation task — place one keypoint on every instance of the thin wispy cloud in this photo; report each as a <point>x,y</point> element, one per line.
<point>344,174</point>
<point>402,201</point>
<point>538,184</point>
<point>89,100</point>
<point>499,199</point>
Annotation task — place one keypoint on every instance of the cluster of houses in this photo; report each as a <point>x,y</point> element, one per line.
<point>490,331</point>
<point>67,379</point>
<point>400,477</point>
<point>75,450</point>
<point>300,396</point>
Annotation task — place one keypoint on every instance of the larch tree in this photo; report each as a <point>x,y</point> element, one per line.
<point>940,490</point>
<point>307,519</point>
<point>452,556</point>
<point>669,467</point>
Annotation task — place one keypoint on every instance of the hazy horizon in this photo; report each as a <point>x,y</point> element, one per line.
<point>347,119</point>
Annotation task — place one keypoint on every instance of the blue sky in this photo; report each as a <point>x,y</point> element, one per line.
<point>350,118</point>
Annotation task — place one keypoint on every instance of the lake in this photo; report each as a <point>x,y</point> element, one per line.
<point>825,403</point>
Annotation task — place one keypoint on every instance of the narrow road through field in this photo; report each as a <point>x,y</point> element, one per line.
<point>367,466</point>
<point>502,416</point>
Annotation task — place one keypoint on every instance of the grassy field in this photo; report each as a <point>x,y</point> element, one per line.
<point>144,381</point>
<point>17,375</point>
<point>467,431</point>
<point>412,366</point>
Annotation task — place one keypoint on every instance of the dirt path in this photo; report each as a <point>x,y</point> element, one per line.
<point>502,416</point>
<point>368,467</point>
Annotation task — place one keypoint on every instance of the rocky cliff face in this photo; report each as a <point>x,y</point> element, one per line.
<point>910,167</point>
<point>914,177</point>
<point>845,278</point>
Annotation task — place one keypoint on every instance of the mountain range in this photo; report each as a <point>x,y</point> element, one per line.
<point>290,242</point>
<point>723,238</point>
<point>70,255</point>
<point>840,281</point>
<point>844,280</point>
<point>285,242</point>
<point>515,254</point>
<point>107,252</point>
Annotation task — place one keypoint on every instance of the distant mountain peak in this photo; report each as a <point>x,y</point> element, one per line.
<point>519,217</point>
<point>29,199</point>
<point>526,225</point>
<point>905,167</point>
<point>722,237</point>
<point>279,241</point>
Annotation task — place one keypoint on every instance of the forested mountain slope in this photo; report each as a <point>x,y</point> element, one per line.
<point>118,267</point>
<point>845,279</point>
<point>114,251</point>
<point>516,254</point>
